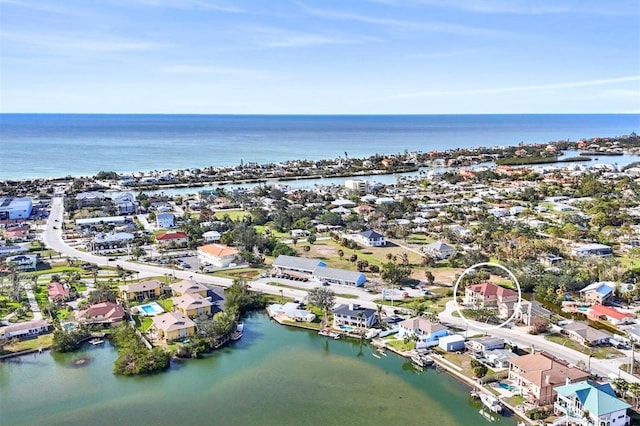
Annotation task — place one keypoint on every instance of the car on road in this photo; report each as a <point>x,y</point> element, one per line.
<point>55,227</point>
<point>111,259</point>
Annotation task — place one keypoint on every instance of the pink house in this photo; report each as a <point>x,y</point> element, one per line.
<point>57,291</point>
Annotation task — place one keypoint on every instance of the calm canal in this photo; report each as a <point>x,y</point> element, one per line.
<point>273,375</point>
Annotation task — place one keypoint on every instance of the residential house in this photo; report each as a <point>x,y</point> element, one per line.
<point>488,295</point>
<point>192,305</point>
<point>549,259</point>
<point>23,262</point>
<point>427,332</point>
<point>583,333</point>
<point>211,237</point>
<point>172,326</point>
<point>57,292</point>
<point>439,250</point>
<point>611,314</point>
<point>24,330</point>
<point>452,343</point>
<point>500,358</point>
<point>357,185</point>
<point>587,403</point>
<point>144,290</point>
<point>598,250</point>
<point>165,220</point>
<point>111,240</point>
<point>353,315</point>
<point>218,255</point>
<point>371,238</point>
<point>290,311</point>
<point>536,375</point>
<point>599,292</point>
<point>126,203</point>
<point>486,344</point>
<point>105,313</point>
<point>188,286</point>
<point>90,199</point>
<point>172,239</point>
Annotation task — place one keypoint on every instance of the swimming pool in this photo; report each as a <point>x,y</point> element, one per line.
<point>583,308</point>
<point>150,309</point>
<point>345,327</point>
<point>508,387</point>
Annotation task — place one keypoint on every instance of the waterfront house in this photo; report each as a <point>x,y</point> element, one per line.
<point>172,239</point>
<point>611,314</point>
<point>105,313</point>
<point>171,326</point>
<point>488,295</point>
<point>188,286</point>
<point>353,315</point>
<point>57,292</point>
<point>371,238</point>
<point>452,343</point>
<point>427,332</point>
<point>126,203</point>
<point>587,403</point>
<point>339,276</point>
<point>165,220</point>
<point>144,290</point>
<point>218,255</point>
<point>536,375</point>
<point>24,330</point>
<point>439,250</point>
<point>290,311</point>
<point>499,358</point>
<point>583,333</point>
<point>599,292</point>
<point>90,199</point>
<point>192,305</point>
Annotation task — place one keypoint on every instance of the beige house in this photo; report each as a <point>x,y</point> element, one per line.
<point>144,290</point>
<point>172,326</point>
<point>488,295</point>
<point>192,305</point>
<point>188,286</point>
<point>218,255</point>
<point>536,374</point>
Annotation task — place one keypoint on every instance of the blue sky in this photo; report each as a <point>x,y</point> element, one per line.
<point>320,57</point>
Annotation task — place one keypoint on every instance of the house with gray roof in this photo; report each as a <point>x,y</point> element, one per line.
<point>353,315</point>
<point>371,238</point>
<point>23,330</point>
<point>439,250</point>
<point>583,333</point>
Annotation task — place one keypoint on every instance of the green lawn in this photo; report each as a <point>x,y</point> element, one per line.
<point>7,306</point>
<point>142,323</point>
<point>242,273</point>
<point>419,239</point>
<point>43,342</point>
<point>400,345</point>
<point>235,215</point>
<point>60,270</point>
<point>292,287</point>
<point>600,352</point>
<point>167,304</point>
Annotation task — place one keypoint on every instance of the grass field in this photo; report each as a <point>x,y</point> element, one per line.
<point>235,215</point>
<point>599,352</point>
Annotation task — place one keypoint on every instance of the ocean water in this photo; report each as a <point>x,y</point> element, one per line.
<point>54,145</point>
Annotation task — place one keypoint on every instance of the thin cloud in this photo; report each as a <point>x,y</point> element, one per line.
<point>440,27</point>
<point>518,88</point>
<point>210,69</point>
<point>80,42</point>
<point>538,7</point>
<point>189,5</point>
<point>280,38</point>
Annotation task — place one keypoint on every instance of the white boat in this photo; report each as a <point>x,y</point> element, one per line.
<point>491,402</point>
<point>329,333</point>
<point>237,333</point>
<point>96,341</point>
<point>422,360</point>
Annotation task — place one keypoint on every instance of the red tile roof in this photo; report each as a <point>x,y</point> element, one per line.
<point>55,289</point>
<point>600,310</point>
<point>171,236</point>
<point>490,289</point>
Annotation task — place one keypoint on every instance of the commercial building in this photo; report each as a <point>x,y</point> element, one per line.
<point>15,208</point>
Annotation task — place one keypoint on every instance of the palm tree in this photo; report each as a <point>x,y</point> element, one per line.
<point>621,386</point>
<point>340,254</point>
<point>634,389</point>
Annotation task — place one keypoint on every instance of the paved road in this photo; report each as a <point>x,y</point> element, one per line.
<point>518,335</point>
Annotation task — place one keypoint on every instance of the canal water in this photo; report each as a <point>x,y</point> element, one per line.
<point>274,375</point>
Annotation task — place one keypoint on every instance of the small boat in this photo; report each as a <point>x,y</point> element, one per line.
<point>96,341</point>
<point>329,333</point>
<point>491,402</point>
<point>237,333</point>
<point>422,360</point>
<point>487,415</point>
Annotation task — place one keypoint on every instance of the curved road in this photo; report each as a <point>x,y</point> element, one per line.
<point>52,237</point>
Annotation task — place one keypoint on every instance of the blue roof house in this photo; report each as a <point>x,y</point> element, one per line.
<point>588,403</point>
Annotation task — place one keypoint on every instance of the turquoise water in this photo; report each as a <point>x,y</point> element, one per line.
<point>274,375</point>
<point>84,144</point>
<point>151,308</point>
